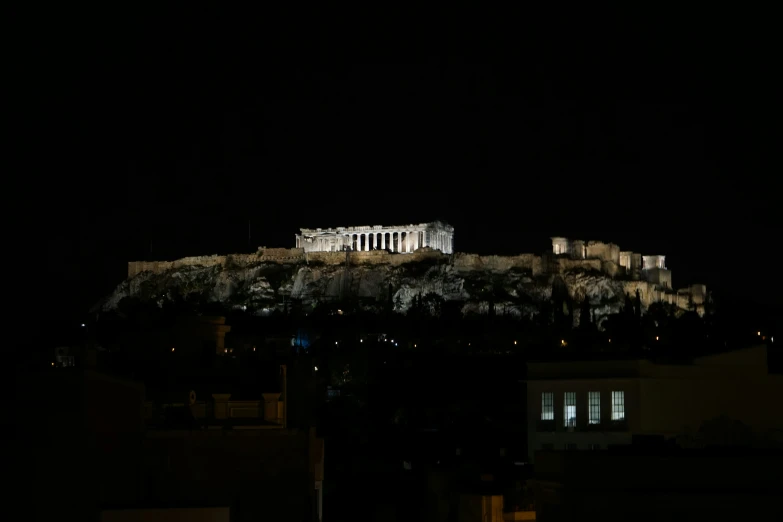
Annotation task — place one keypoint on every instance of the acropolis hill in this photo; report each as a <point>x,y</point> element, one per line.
<point>366,263</point>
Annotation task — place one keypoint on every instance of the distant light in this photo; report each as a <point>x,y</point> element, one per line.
<point>335,342</point>
<point>315,368</point>
<point>52,364</point>
<point>172,349</point>
<point>656,337</point>
<point>83,325</point>
<point>772,339</point>
<point>392,340</point>
<point>515,342</point>
<point>414,346</point>
<point>757,333</point>
<point>225,350</point>
<point>254,348</point>
<point>610,340</point>
<point>395,344</point>
<point>361,340</point>
<point>563,342</point>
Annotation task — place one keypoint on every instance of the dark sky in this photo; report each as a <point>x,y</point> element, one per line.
<point>649,131</point>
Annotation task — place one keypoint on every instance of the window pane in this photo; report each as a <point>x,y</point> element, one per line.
<point>594,407</point>
<point>618,405</point>
<point>547,406</point>
<point>569,413</point>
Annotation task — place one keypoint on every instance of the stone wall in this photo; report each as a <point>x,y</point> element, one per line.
<point>603,251</point>
<point>566,265</point>
<point>659,276</point>
<point>524,262</point>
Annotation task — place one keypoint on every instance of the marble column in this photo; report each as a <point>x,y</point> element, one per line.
<point>416,240</point>
<point>383,241</point>
<point>366,242</point>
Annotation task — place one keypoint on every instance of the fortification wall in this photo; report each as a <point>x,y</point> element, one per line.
<point>158,267</point>
<point>267,255</point>
<point>603,251</point>
<point>566,265</point>
<point>460,261</point>
<point>495,263</point>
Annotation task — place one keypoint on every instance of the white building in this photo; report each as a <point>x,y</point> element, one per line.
<point>403,238</point>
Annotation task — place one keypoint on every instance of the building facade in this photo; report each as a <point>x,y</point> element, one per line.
<point>402,239</point>
<point>590,405</point>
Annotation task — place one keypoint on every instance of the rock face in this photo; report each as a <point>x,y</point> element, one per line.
<point>262,284</point>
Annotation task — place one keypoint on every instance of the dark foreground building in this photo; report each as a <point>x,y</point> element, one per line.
<point>90,454</point>
<point>631,483</point>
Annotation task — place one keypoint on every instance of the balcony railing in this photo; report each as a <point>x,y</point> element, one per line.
<point>552,425</point>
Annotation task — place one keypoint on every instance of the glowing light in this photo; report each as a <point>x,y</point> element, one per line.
<point>395,344</point>
<point>225,350</point>
<point>414,346</point>
<point>361,340</point>
<point>563,342</point>
<point>172,349</point>
<point>254,348</point>
<point>335,342</point>
<point>315,368</point>
<point>610,340</point>
<point>52,364</point>
<point>515,342</point>
<point>757,333</point>
<point>656,337</point>
<point>83,325</point>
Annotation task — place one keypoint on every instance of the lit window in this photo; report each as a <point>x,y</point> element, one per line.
<point>569,407</point>
<point>547,406</point>
<point>618,405</point>
<point>594,407</point>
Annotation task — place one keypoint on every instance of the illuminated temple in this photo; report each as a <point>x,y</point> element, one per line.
<point>402,238</point>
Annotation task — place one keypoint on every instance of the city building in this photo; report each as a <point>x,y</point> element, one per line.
<point>714,400</point>
<point>647,483</point>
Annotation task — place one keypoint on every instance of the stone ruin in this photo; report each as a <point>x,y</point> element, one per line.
<point>404,239</point>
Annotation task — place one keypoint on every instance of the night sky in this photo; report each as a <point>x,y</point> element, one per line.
<point>174,130</point>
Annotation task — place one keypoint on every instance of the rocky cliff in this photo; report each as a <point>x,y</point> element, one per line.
<point>262,283</point>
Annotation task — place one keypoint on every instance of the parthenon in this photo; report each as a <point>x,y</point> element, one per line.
<point>402,239</point>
